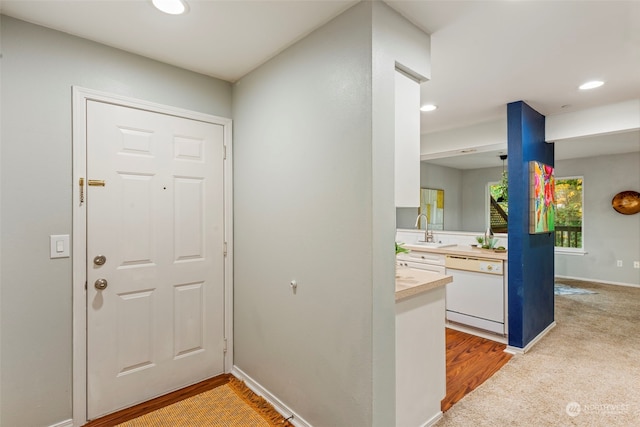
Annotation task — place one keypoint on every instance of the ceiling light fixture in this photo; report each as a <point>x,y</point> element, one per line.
<point>172,7</point>
<point>591,85</point>
<point>428,107</point>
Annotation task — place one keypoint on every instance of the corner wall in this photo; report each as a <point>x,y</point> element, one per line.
<point>531,256</point>
<point>302,211</point>
<point>39,66</point>
<point>314,203</point>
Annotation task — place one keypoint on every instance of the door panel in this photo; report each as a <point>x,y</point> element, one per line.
<point>158,220</point>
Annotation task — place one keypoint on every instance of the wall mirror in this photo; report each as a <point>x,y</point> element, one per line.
<point>432,205</point>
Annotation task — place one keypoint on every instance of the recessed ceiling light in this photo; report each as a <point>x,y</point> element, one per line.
<point>172,7</point>
<point>428,107</point>
<point>591,85</point>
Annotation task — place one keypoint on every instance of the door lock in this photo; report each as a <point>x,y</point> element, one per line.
<point>101,284</point>
<point>100,260</point>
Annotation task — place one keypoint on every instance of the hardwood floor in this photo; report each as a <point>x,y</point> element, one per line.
<point>159,402</point>
<point>471,360</point>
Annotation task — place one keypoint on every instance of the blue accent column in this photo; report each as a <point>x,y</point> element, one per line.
<point>531,256</point>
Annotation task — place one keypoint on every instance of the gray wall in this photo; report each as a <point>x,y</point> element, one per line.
<point>39,66</point>
<point>608,235</point>
<point>406,217</point>
<point>302,191</point>
<point>465,193</point>
<point>449,180</point>
<point>475,196</point>
<point>314,203</point>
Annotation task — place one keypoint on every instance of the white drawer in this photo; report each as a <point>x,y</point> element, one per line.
<point>423,257</point>
<point>422,266</point>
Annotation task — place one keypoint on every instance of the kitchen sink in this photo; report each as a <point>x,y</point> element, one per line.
<point>434,245</point>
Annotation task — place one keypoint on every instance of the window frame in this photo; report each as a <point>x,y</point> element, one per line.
<point>573,251</point>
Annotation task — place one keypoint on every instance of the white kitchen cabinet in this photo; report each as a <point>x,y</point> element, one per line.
<point>420,347</point>
<point>423,261</point>
<point>407,142</point>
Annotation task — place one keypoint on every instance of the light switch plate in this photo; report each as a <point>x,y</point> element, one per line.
<point>59,246</point>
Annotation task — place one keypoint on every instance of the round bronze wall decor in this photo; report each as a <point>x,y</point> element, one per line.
<point>626,202</point>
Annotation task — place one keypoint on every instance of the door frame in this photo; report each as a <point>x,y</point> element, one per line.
<point>79,227</point>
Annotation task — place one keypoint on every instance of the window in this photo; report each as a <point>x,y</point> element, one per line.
<point>498,207</point>
<point>569,212</point>
<point>568,220</point>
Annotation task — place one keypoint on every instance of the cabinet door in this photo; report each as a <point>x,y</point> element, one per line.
<point>407,142</point>
<point>425,257</point>
<point>422,266</point>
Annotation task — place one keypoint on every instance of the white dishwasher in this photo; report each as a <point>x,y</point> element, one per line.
<point>476,295</point>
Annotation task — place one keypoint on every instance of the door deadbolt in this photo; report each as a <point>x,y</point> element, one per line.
<point>101,284</point>
<point>100,260</point>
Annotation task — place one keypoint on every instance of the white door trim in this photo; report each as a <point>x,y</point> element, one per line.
<point>79,243</point>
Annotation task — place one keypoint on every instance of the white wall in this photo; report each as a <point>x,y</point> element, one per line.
<point>492,133</point>
<point>39,66</point>
<point>397,44</point>
<point>604,119</point>
<point>303,195</point>
<point>407,141</point>
<point>608,236</point>
<point>314,202</point>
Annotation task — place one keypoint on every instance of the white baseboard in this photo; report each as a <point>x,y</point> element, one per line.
<point>477,332</point>
<point>604,282</point>
<point>282,409</point>
<point>433,420</point>
<point>65,423</point>
<point>518,350</point>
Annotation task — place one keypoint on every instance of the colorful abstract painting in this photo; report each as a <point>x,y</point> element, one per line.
<point>543,204</point>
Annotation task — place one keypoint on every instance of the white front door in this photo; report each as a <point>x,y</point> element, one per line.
<point>158,221</point>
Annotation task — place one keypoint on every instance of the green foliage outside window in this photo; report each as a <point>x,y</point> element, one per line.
<point>500,191</point>
<point>568,218</point>
<point>500,194</point>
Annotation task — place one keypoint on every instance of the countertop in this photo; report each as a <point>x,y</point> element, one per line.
<point>410,281</point>
<point>462,250</point>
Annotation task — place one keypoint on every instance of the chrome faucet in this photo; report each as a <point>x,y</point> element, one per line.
<point>428,236</point>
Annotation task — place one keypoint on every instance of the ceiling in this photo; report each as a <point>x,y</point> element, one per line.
<point>484,54</point>
<point>220,38</point>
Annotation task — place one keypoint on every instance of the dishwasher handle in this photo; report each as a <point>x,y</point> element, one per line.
<point>470,258</point>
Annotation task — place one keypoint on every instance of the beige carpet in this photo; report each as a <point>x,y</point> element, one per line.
<point>585,372</point>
